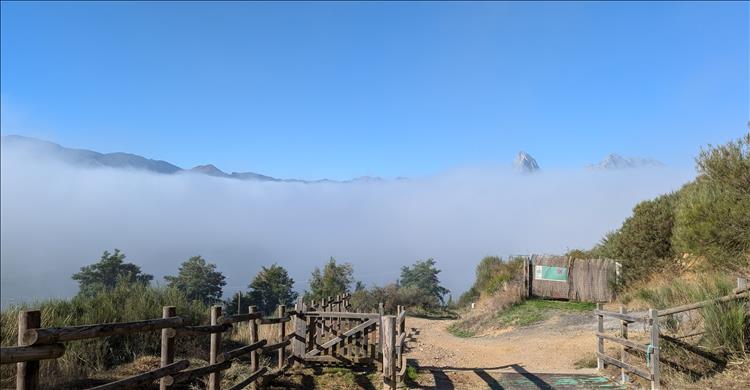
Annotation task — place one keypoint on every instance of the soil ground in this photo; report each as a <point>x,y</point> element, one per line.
<point>537,356</point>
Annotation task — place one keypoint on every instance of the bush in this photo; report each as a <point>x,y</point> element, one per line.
<point>644,242</point>
<point>708,218</point>
<point>492,275</point>
<point>713,215</point>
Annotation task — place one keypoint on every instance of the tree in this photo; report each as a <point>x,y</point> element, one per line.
<point>232,305</point>
<point>105,274</point>
<point>271,287</point>
<point>335,279</point>
<point>423,277</point>
<point>198,280</point>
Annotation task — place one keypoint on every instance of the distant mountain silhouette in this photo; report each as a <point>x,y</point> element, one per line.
<point>615,161</point>
<point>37,148</point>
<point>90,158</point>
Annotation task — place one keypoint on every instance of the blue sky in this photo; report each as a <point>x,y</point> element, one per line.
<point>339,90</point>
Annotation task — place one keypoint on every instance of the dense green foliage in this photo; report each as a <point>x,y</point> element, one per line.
<point>270,288</point>
<point>708,218</point>
<point>644,242</point>
<point>712,217</point>
<point>335,279</point>
<point>421,282</point>
<point>198,280</point>
<point>368,299</point>
<point>419,290</point>
<point>107,273</point>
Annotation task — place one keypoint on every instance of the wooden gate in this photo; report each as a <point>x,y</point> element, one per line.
<point>562,277</point>
<point>328,332</point>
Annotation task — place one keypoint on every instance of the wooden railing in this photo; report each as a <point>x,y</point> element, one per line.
<point>323,332</point>
<point>651,320</point>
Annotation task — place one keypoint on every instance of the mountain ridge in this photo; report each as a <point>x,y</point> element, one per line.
<point>523,162</point>
<point>93,159</point>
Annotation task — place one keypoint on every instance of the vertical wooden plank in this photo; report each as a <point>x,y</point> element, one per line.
<point>599,340</point>
<point>366,342</point>
<point>380,327</point>
<point>525,288</point>
<point>325,326</point>
<point>623,352</point>
<point>27,373</point>
<point>655,369</point>
<point>239,302</point>
<point>167,343</point>
<point>312,333</point>
<point>358,338</point>
<point>398,328</point>
<point>282,334</point>
<point>336,325</point>
<point>402,324</point>
<point>214,379</point>
<point>300,332</point>
<point>389,344</point>
<point>253,339</point>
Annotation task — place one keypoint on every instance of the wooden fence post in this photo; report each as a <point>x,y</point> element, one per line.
<point>27,373</point>
<point>389,346</point>
<point>239,302</point>
<point>282,335</point>
<point>399,310</point>
<point>599,340</point>
<point>253,339</point>
<point>167,343</point>
<point>214,379</point>
<point>300,332</point>
<point>623,353</point>
<point>654,347</point>
<point>380,328</point>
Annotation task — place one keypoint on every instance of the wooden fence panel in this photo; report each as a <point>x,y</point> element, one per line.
<point>348,339</point>
<point>544,284</point>
<point>590,280</point>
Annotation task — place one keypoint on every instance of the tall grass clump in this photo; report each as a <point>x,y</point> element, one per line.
<point>125,302</point>
<point>726,325</point>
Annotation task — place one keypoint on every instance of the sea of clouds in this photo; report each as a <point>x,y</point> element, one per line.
<point>55,218</point>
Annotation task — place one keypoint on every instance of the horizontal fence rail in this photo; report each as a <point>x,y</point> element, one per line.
<point>651,349</point>
<point>327,331</point>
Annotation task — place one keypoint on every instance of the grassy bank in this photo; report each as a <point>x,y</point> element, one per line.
<point>518,314</point>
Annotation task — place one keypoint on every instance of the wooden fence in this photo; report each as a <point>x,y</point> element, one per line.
<point>651,320</point>
<point>323,332</point>
<point>562,277</point>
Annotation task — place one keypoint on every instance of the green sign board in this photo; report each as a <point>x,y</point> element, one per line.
<point>555,274</point>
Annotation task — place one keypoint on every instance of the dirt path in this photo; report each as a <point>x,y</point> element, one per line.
<point>519,356</point>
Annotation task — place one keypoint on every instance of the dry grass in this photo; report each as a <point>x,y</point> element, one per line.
<point>693,362</point>
<point>483,318</point>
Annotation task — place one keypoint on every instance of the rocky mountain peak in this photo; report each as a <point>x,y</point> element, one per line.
<point>525,163</point>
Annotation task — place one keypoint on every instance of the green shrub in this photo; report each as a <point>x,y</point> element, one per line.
<point>713,214</point>
<point>708,218</point>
